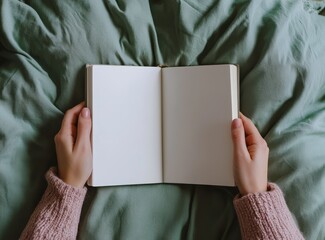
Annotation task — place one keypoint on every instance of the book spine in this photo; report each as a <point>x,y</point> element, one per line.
<point>89,103</point>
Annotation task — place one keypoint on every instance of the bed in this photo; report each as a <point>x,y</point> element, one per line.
<point>279,45</point>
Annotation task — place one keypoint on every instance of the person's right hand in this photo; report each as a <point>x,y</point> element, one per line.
<point>250,156</point>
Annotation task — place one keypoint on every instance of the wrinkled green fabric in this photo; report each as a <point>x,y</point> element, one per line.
<point>44,46</point>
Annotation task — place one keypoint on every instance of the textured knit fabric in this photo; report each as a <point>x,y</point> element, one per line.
<point>261,215</point>
<point>265,215</point>
<point>58,213</point>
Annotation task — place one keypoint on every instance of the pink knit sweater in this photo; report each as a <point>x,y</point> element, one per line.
<point>57,214</point>
<point>265,215</point>
<point>261,215</point>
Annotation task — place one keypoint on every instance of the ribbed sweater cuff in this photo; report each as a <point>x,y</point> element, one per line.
<point>57,214</point>
<point>265,215</point>
<point>62,190</point>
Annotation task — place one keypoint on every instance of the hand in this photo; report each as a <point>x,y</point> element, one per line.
<point>250,156</point>
<point>73,146</point>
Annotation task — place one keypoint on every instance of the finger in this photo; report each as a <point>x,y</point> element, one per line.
<point>238,138</point>
<point>250,130</point>
<point>84,128</point>
<point>70,119</point>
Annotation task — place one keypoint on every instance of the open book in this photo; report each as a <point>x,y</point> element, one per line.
<point>162,125</point>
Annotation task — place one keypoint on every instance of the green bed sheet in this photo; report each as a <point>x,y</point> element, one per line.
<point>280,47</point>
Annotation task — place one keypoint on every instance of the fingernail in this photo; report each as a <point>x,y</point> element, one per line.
<point>85,113</point>
<point>236,123</point>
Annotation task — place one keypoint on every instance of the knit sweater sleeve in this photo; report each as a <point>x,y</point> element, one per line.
<point>57,214</point>
<point>266,216</point>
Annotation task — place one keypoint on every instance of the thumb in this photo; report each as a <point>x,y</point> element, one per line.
<point>238,139</point>
<point>84,128</point>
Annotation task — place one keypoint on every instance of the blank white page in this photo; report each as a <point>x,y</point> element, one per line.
<point>126,133</point>
<point>197,114</point>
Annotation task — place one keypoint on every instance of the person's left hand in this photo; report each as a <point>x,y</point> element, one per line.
<point>73,146</point>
